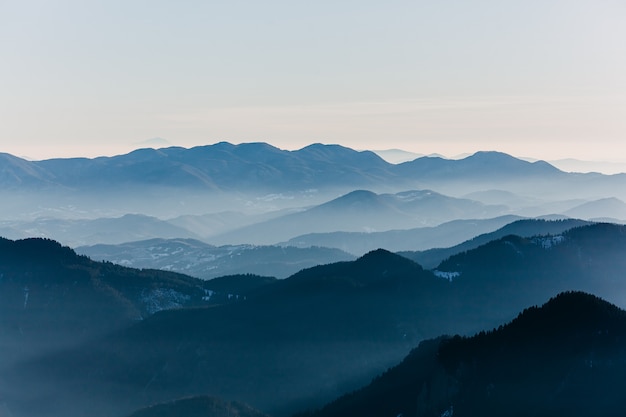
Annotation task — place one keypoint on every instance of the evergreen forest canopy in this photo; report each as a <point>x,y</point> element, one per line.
<point>136,337</point>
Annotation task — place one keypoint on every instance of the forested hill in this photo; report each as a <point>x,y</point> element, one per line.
<point>52,297</point>
<point>286,345</point>
<point>565,358</point>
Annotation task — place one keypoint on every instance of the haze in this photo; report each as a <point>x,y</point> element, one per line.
<point>235,249</point>
<point>536,79</point>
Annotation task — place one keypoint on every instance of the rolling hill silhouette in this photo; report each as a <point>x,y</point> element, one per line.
<point>563,358</point>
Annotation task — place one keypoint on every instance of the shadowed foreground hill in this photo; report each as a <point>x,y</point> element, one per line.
<point>566,358</point>
<point>291,343</point>
<point>50,297</point>
<point>296,343</point>
<point>199,407</point>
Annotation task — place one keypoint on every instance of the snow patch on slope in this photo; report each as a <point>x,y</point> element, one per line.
<point>158,299</point>
<point>446,275</point>
<point>207,295</point>
<point>547,242</point>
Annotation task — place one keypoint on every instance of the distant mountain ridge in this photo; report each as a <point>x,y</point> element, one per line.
<point>201,260</point>
<point>224,166</point>
<point>77,232</point>
<point>279,347</point>
<point>357,222</point>
<point>359,210</point>
<point>606,207</point>
<point>431,258</point>
<point>477,165</point>
<point>174,181</point>
<point>421,238</point>
<point>365,211</point>
<point>16,172</point>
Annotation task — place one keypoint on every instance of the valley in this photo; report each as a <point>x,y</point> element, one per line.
<point>249,280</point>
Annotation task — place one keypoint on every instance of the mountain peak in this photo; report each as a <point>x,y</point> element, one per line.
<point>325,151</point>
<point>508,161</point>
<point>359,195</point>
<point>325,147</point>
<point>378,254</point>
<point>362,200</point>
<point>491,154</point>
<point>382,258</point>
<point>569,309</point>
<point>37,250</point>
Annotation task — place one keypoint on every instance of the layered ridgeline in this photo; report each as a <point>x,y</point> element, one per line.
<point>588,258</point>
<point>413,239</point>
<point>356,211</point>
<point>430,258</point>
<point>201,260</point>
<point>105,230</point>
<point>365,211</point>
<point>565,358</point>
<point>169,182</point>
<point>52,298</point>
<point>294,344</point>
<point>224,166</point>
<point>205,261</point>
<point>297,341</point>
<point>357,222</point>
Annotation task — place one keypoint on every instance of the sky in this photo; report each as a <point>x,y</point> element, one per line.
<point>543,79</point>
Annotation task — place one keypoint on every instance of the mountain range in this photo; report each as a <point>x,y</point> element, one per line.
<point>609,208</point>
<point>420,238</point>
<point>83,337</point>
<point>296,343</point>
<point>214,178</point>
<point>76,232</point>
<point>222,166</point>
<point>50,297</point>
<point>563,358</point>
<point>364,211</point>
<point>431,258</point>
<point>201,260</point>
<point>357,222</point>
<point>206,261</point>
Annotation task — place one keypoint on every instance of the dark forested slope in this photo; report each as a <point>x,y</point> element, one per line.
<point>291,344</point>
<point>567,357</point>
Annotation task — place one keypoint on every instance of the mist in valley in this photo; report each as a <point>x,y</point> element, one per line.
<point>306,209</point>
<point>273,204</point>
<point>276,289</point>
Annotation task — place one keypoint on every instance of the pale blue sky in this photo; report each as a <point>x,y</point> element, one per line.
<point>533,78</point>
